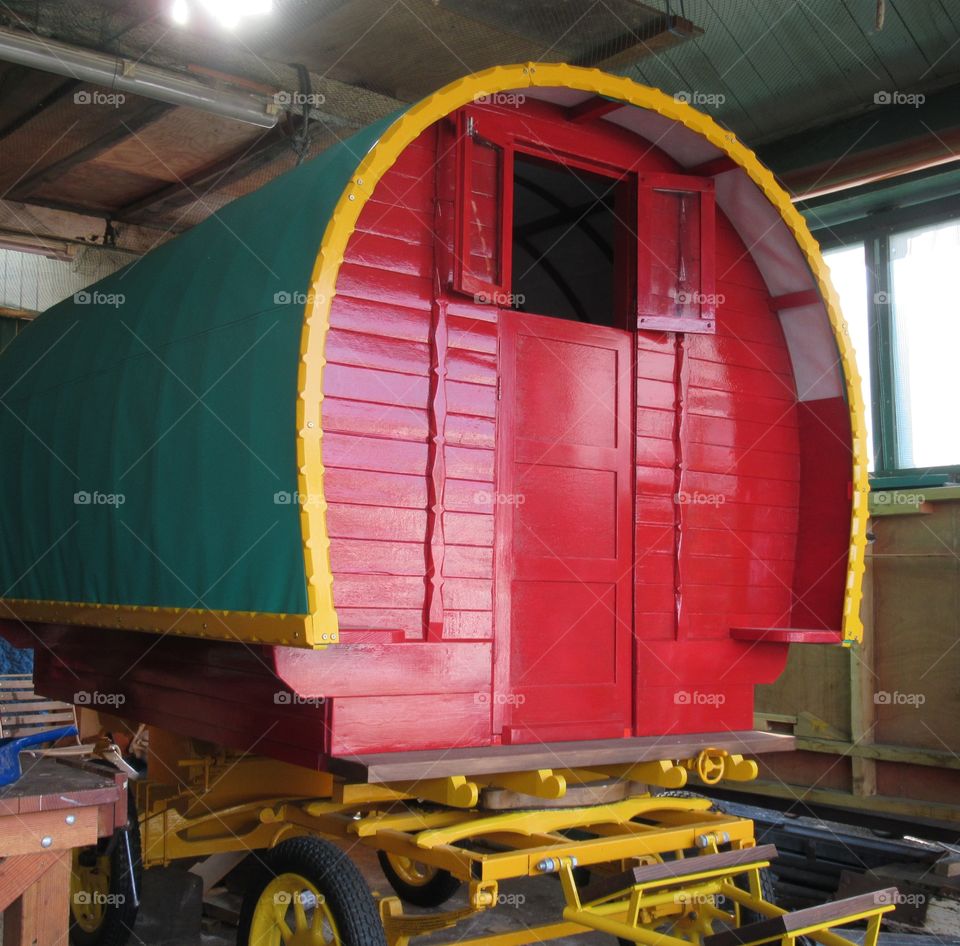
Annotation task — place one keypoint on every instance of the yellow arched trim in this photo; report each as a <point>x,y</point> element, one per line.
<point>316,542</point>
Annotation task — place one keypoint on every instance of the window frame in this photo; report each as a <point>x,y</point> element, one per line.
<point>552,142</point>
<point>875,235</point>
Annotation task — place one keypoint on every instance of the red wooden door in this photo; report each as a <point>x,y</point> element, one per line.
<point>564,538</point>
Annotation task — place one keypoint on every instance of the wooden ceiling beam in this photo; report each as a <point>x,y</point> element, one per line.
<point>664,32</point>
<point>51,98</point>
<point>28,186</point>
<point>233,167</point>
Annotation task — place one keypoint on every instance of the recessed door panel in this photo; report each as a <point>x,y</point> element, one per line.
<point>564,538</point>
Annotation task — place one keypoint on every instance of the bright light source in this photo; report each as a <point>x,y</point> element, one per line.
<point>228,13</point>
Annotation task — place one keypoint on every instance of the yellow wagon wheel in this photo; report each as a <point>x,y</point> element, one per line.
<point>307,892</point>
<point>105,887</point>
<point>416,883</point>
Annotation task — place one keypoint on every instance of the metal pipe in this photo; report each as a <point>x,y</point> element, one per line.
<point>126,75</point>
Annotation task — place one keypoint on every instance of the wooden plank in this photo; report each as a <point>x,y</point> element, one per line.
<point>677,870</point>
<point>24,833</point>
<point>59,169</point>
<point>405,766</point>
<point>233,167</point>
<point>41,916</point>
<point>19,872</point>
<point>823,913</point>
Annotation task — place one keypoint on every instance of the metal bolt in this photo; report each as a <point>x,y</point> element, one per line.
<point>71,819</point>
<point>703,840</point>
<point>352,197</point>
<point>46,842</point>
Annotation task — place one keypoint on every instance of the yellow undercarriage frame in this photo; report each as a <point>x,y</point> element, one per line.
<point>664,870</point>
<point>380,159</point>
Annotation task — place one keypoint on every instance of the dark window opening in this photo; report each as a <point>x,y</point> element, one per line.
<point>569,243</point>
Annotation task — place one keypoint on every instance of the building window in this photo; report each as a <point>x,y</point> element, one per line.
<point>900,296</point>
<point>925,335</point>
<point>848,271</point>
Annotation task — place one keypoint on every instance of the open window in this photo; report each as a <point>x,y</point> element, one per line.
<point>571,242</point>
<point>550,228</point>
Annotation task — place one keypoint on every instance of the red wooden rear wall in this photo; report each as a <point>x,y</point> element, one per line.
<point>715,540</point>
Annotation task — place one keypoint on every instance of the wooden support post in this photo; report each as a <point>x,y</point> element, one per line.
<point>863,688</point>
<point>40,916</point>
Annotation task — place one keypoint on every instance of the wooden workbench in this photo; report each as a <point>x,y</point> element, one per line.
<point>55,806</point>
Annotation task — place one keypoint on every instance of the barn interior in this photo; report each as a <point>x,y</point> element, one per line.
<point>126,123</point>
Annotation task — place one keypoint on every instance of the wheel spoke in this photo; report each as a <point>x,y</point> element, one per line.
<point>299,913</point>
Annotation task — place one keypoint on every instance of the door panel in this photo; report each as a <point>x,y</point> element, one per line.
<point>564,537</point>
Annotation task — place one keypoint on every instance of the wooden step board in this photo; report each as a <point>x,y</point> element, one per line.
<point>489,760</point>
<point>23,712</point>
<point>727,862</point>
<point>823,915</point>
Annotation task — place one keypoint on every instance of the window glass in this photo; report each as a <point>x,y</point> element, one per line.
<point>925,291</point>
<point>848,271</point>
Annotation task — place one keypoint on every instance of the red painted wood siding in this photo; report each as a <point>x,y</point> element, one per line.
<point>715,539</point>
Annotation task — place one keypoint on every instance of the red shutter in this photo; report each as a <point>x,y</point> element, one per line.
<point>676,242</point>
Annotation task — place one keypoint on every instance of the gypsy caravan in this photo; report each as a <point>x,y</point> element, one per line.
<point>503,447</point>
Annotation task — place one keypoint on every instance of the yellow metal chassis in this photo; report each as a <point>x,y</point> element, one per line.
<point>223,805</point>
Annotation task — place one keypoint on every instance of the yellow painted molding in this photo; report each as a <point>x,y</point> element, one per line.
<point>381,158</point>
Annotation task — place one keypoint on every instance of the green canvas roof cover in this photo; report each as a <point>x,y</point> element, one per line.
<point>149,424</point>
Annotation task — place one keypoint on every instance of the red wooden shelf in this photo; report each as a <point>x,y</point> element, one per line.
<point>785,635</point>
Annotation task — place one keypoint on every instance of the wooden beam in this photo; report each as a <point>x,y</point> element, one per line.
<point>143,119</point>
<point>234,166</point>
<point>594,107</point>
<point>34,223</point>
<point>51,98</point>
<point>665,32</point>
<point>795,300</point>
<point>8,313</point>
<point>712,168</point>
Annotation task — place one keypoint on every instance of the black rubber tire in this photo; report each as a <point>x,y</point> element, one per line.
<point>434,893</point>
<point>768,892</point>
<point>333,874</point>
<point>119,917</point>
